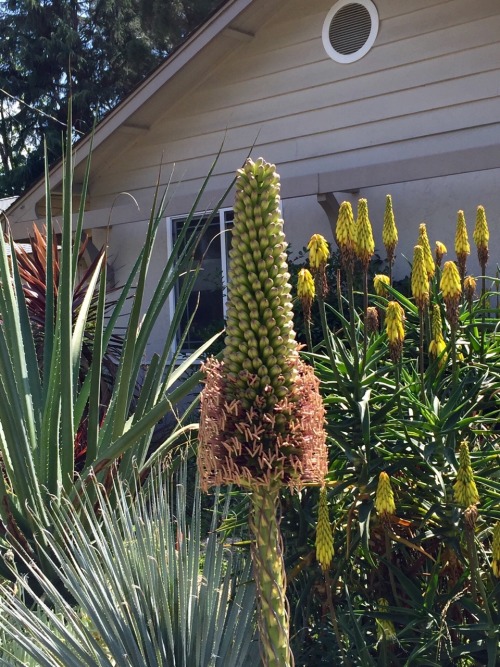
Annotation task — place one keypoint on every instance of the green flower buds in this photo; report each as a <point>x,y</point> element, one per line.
<point>345,233</point>
<point>419,278</point>
<point>389,230</point>
<point>365,245</point>
<point>384,497</point>
<point>481,237</point>
<point>262,415</point>
<point>253,290</point>
<point>324,535</point>
<point>462,246</point>
<point>423,242</point>
<point>452,291</point>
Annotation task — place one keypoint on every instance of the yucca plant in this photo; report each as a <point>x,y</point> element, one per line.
<point>142,585</point>
<point>42,404</point>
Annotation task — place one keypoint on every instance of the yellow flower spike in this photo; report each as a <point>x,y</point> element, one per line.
<point>423,242</point>
<point>452,291</point>
<point>384,497</point>
<point>495,550</point>
<point>394,325</point>
<point>385,627</point>
<point>306,291</point>
<point>389,230</point>
<point>379,283</point>
<point>345,233</point>
<point>324,536</point>
<point>365,245</point>
<point>481,237</point>
<point>469,288</point>
<point>318,252</point>
<point>419,278</point>
<point>465,491</point>
<point>440,252</point>
<point>462,245</point>
<point>437,345</point>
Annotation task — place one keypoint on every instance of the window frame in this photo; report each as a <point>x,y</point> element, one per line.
<point>171,220</point>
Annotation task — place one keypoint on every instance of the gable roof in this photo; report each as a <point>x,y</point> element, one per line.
<point>232,20</point>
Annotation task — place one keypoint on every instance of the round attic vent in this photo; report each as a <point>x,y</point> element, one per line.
<point>350,30</point>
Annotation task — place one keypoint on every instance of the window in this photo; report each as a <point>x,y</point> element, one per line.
<point>207,301</point>
<point>350,29</point>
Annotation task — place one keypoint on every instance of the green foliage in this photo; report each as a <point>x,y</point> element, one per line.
<point>142,586</point>
<point>106,46</point>
<point>431,560</point>
<point>42,406</point>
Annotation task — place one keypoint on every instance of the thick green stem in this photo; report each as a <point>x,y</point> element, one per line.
<point>270,578</point>
<point>421,355</point>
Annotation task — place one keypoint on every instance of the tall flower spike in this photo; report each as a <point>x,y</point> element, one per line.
<point>384,497</point>
<point>419,278</point>
<point>345,233</point>
<point>385,627</point>
<point>452,291</point>
<point>464,489</point>
<point>440,252</point>
<point>481,237</point>
<point>262,416</point>
<point>469,288</point>
<point>306,292</point>
<point>394,324</point>
<point>423,242</point>
<point>437,345</point>
<point>380,281</point>
<point>324,535</point>
<point>372,320</point>
<point>462,245</point>
<point>365,245</point>
<point>318,257</point>
<point>495,550</point>
<point>389,230</point>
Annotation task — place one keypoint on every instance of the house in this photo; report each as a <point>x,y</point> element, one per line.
<point>350,98</point>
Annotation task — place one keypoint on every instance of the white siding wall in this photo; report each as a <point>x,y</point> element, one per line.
<point>429,87</point>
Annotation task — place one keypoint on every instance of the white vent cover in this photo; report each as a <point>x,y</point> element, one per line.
<point>350,30</point>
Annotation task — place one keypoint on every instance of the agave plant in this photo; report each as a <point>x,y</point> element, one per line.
<point>145,587</point>
<point>42,405</point>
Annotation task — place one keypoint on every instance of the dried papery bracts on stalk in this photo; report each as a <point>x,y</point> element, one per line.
<point>423,242</point>
<point>262,416</point>
<point>462,245</point>
<point>372,320</point>
<point>389,231</point>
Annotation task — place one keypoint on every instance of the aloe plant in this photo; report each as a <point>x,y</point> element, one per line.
<point>145,587</point>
